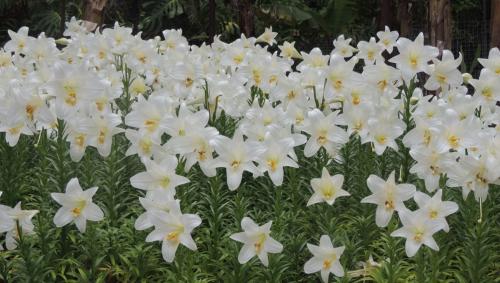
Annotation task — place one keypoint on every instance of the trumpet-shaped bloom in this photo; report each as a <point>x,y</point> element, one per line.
<point>9,217</point>
<point>77,206</point>
<point>236,156</point>
<point>327,188</point>
<point>159,176</point>
<point>323,131</point>
<point>434,208</point>
<point>388,196</point>
<point>418,231</point>
<point>413,56</point>
<point>326,259</point>
<point>256,241</point>
<point>173,228</point>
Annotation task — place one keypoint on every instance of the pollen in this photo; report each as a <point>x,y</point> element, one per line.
<point>257,77</point>
<point>453,141</point>
<point>327,263</point>
<point>382,85</point>
<point>441,79</point>
<point>328,191</point>
<point>235,164</point>
<point>433,214</point>
<point>272,164</point>
<point>413,60</point>
<point>145,146</point>
<point>419,236</point>
<point>427,137</point>
<point>70,95</point>
<point>356,99</point>
<point>164,182</point>
<point>238,59</point>
<point>77,210</point>
<point>188,82</point>
<point>487,93</point>
<point>30,110</point>
<point>338,84</point>
<point>389,204</point>
<point>151,124</point>
<point>202,155</point>
<point>259,244</point>
<point>381,139</point>
<point>80,140</point>
<point>101,138</point>
<point>14,130</point>
<point>370,55</point>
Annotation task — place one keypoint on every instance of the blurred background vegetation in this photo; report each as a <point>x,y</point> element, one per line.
<point>469,26</point>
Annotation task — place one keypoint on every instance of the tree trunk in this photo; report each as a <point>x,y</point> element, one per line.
<point>135,14</point>
<point>386,15</point>
<point>495,23</point>
<point>62,15</point>
<point>440,26</point>
<point>404,18</point>
<point>245,9</point>
<point>92,15</point>
<point>211,20</point>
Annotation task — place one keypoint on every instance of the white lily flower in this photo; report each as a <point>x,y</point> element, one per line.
<point>159,176</point>
<point>434,208</point>
<point>327,188</point>
<point>326,259</point>
<point>388,196</point>
<point>173,228</point>
<point>418,231</point>
<point>77,206</point>
<point>256,241</point>
<point>236,156</point>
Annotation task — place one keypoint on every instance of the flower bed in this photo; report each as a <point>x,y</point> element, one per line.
<point>245,161</point>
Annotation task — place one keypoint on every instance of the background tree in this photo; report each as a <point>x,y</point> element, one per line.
<point>495,23</point>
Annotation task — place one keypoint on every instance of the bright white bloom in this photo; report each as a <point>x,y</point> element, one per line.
<point>173,228</point>
<point>323,132</point>
<point>236,156</point>
<point>342,46</point>
<point>9,217</point>
<point>493,61</point>
<point>327,188</point>
<point>326,259</point>
<point>256,241</point>
<point>77,206</point>
<point>159,176</point>
<point>444,72</point>
<point>434,208</point>
<point>388,196</point>
<point>288,50</point>
<point>387,38</point>
<point>275,157</point>
<point>370,51</point>
<point>418,231</point>
<point>152,203</point>
<point>268,36</point>
<point>413,56</point>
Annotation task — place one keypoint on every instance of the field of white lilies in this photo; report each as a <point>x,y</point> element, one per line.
<point>132,160</point>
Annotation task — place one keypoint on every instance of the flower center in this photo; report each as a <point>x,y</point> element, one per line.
<point>259,244</point>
